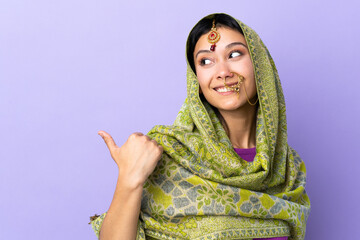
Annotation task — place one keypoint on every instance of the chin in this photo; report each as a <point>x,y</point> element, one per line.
<point>230,106</point>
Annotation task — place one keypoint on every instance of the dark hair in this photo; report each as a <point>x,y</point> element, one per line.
<point>203,27</point>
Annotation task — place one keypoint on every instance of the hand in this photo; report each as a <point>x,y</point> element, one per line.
<point>136,159</point>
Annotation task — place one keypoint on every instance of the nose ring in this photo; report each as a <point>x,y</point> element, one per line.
<point>235,87</point>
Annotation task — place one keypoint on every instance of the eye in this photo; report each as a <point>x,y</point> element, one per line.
<point>234,54</point>
<point>205,61</point>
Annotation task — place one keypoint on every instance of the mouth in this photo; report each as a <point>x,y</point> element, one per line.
<point>228,88</point>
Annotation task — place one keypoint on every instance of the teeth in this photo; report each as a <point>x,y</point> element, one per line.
<point>224,89</point>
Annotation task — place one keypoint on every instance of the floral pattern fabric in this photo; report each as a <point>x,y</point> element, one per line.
<point>201,188</point>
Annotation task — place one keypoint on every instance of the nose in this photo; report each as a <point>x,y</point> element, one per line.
<point>224,71</point>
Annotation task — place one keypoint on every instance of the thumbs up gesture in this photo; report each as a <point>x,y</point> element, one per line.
<point>136,158</point>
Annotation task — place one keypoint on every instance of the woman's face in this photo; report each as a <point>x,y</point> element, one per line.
<point>231,55</point>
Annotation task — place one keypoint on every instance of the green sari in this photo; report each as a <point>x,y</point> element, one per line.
<point>201,188</point>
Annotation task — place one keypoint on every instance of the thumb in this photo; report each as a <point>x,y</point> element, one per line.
<point>109,141</point>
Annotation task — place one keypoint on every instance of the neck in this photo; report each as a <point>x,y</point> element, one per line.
<point>241,126</point>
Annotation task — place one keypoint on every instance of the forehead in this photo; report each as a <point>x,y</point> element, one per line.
<point>227,36</point>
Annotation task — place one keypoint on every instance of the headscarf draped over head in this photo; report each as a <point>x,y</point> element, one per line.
<point>201,188</point>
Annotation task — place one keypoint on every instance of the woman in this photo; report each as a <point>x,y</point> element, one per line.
<point>224,169</point>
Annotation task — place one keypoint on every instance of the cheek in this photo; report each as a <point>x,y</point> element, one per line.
<point>249,67</point>
<point>202,79</point>
<point>250,71</point>
<point>251,83</point>
<point>201,85</point>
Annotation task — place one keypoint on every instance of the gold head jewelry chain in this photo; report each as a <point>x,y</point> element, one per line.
<point>237,86</point>
<point>213,38</point>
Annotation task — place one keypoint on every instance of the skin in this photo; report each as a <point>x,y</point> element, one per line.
<point>231,55</point>
<point>138,156</point>
<point>136,160</point>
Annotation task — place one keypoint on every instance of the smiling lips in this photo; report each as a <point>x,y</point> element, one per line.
<point>225,89</point>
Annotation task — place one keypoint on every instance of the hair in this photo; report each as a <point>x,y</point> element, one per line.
<point>201,28</point>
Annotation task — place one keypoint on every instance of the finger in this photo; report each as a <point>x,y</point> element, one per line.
<point>149,137</point>
<point>109,141</point>
<point>161,149</point>
<point>138,133</point>
<point>152,140</point>
<point>135,135</point>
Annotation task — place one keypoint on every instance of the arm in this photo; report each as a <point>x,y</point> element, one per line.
<point>122,217</point>
<point>136,160</point>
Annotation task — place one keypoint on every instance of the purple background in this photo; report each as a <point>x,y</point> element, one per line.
<point>71,68</point>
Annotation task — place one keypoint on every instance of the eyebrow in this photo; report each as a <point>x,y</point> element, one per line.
<point>227,47</point>
<point>234,44</point>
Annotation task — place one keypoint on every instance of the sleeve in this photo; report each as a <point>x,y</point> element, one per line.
<point>96,222</point>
